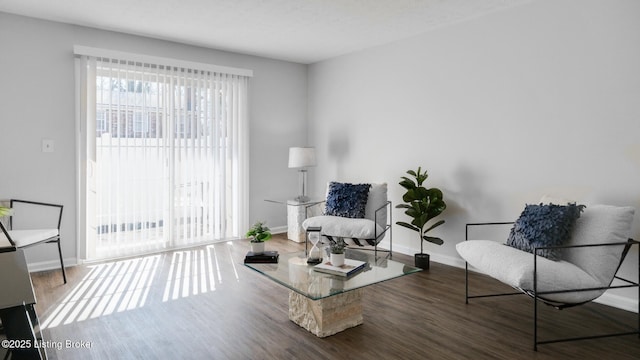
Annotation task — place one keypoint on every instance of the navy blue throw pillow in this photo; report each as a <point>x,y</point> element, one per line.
<point>544,225</point>
<point>347,200</point>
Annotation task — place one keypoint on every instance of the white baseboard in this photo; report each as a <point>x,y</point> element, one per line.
<point>51,264</point>
<point>279,229</point>
<point>617,301</point>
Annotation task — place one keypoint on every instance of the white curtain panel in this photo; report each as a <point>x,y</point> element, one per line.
<point>166,154</point>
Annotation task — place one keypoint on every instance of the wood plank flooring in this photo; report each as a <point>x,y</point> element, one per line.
<point>202,303</point>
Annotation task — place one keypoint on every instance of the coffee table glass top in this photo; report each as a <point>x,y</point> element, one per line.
<point>293,272</point>
<point>293,202</point>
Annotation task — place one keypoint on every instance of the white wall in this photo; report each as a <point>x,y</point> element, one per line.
<point>538,99</point>
<point>37,101</point>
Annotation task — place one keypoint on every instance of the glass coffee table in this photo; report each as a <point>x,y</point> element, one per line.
<point>326,304</point>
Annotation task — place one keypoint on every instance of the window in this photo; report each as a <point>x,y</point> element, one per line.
<point>167,160</point>
<point>101,122</point>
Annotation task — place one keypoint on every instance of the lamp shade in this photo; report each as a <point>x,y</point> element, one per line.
<point>300,157</point>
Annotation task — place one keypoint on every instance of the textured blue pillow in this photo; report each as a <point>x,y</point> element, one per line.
<point>544,225</point>
<point>347,200</point>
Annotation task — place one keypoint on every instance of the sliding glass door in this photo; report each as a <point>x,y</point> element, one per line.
<point>165,156</point>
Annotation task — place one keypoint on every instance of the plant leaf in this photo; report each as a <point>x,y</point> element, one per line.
<point>403,206</point>
<point>435,240</point>
<point>408,226</point>
<point>434,226</point>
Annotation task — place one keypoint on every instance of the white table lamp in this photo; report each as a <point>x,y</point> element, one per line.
<point>301,158</point>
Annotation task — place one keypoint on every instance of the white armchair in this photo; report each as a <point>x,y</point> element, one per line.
<point>364,232</point>
<point>584,267</point>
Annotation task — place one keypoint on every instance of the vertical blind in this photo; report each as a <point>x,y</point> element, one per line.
<point>166,149</point>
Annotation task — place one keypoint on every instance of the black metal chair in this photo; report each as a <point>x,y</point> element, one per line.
<point>573,281</point>
<point>32,233</point>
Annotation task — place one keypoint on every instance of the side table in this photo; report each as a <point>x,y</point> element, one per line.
<point>16,307</point>
<point>297,212</point>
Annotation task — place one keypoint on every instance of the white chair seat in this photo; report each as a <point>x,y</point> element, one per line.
<point>24,238</point>
<point>515,268</point>
<point>344,227</point>
<point>25,214</point>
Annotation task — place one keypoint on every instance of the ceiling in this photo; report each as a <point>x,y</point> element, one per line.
<point>304,31</point>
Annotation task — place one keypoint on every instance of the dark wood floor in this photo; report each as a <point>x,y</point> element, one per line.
<point>202,303</point>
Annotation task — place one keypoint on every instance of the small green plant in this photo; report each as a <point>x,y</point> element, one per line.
<point>338,246</point>
<point>259,232</point>
<point>421,205</point>
<point>4,211</point>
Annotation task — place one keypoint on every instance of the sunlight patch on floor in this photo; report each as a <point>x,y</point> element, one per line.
<point>107,288</point>
<point>124,285</point>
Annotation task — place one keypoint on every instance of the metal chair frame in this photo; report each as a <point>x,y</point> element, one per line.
<point>539,295</point>
<point>53,239</point>
<point>371,243</point>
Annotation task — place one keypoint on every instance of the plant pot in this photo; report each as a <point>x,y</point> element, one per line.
<point>421,261</point>
<point>337,259</point>
<point>257,247</point>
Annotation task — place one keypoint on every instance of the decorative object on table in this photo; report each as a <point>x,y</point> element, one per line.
<point>314,255</point>
<point>349,268</point>
<point>364,233</point>
<point>421,205</point>
<point>263,257</point>
<point>259,233</point>
<point>337,248</point>
<point>301,158</point>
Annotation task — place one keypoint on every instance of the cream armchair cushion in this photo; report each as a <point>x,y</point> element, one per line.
<point>515,268</point>
<point>344,227</point>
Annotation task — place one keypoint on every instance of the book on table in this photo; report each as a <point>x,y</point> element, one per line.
<point>265,257</point>
<point>350,267</point>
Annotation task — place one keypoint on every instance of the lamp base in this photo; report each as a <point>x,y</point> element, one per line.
<point>302,182</point>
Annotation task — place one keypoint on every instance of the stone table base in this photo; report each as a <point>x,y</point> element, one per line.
<point>295,217</point>
<point>326,316</point>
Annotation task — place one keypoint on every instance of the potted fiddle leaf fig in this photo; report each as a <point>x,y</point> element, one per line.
<point>421,205</point>
<point>259,233</point>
